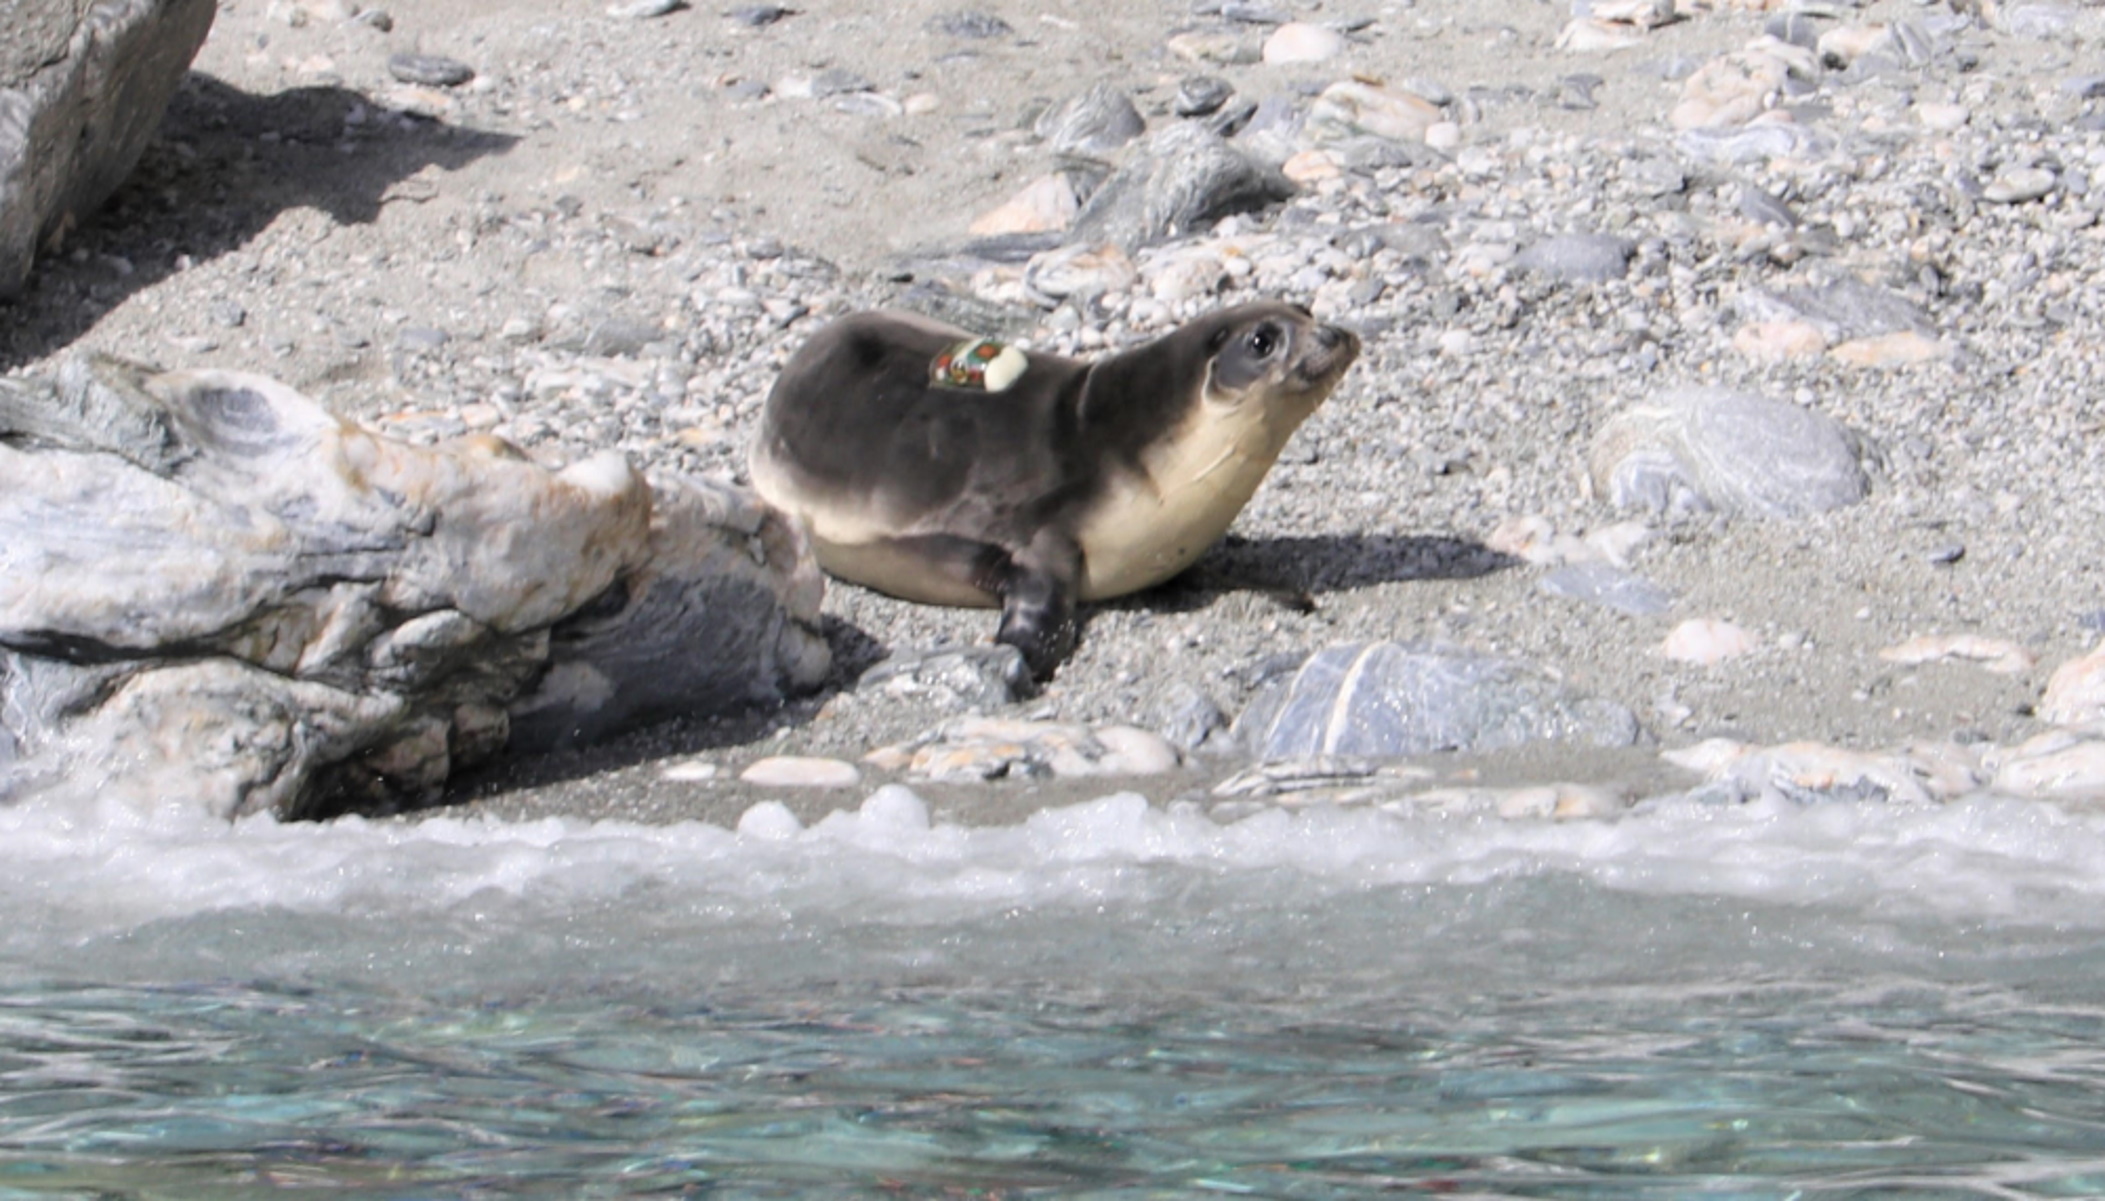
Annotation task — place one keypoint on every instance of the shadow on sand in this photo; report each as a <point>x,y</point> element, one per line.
<point>224,165</point>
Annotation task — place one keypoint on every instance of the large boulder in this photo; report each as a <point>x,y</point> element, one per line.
<point>83,84</point>
<point>214,593</point>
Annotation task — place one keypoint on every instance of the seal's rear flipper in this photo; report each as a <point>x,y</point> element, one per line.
<point>1037,601</point>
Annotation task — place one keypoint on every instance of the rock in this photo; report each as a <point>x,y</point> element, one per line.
<point>1300,42</point>
<point>801,771</point>
<point>1189,718</point>
<point>641,10</point>
<point>977,26</point>
<point>2059,765</point>
<point>1578,258</point>
<point>1384,699</point>
<point>1711,449</point>
<point>1079,272</point>
<point>1044,205</point>
<point>1735,88</point>
<point>1094,122</point>
<point>214,593</point>
<point>1535,802</point>
<point>82,89</point>
<point>1179,179</point>
<point>1811,773</point>
<point>987,748</point>
<point>2019,186</point>
<point>430,70</point>
<point>2041,22</point>
<point>758,16</point>
<point>1198,95</point>
<point>1707,642</point>
<point>1999,655</point>
<point>1903,349</point>
<point>1765,139</point>
<point>1601,584</point>
<point>2075,693</point>
<point>1842,309</point>
<point>716,616</point>
<point>1772,341</point>
<point>962,677</point>
<point>1207,46</point>
<point>1585,35</point>
<point>1350,108</point>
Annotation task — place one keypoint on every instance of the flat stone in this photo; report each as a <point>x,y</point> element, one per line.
<point>1611,587</point>
<point>1708,641</point>
<point>2058,766</point>
<point>1906,348</point>
<point>2020,186</point>
<point>1351,107</point>
<point>801,771</point>
<point>1999,655</point>
<point>1773,341</point>
<point>1578,258</point>
<point>430,70</point>
<point>1384,699</point>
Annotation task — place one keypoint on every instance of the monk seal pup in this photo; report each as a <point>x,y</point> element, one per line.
<point>952,470</point>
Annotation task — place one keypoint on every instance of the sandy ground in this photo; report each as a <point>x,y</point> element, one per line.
<point>287,222</point>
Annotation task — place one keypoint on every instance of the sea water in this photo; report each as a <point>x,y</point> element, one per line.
<point>1106,1000</point>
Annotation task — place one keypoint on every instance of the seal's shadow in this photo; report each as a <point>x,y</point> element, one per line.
<point>223,166</point>
<point>1307,567</point>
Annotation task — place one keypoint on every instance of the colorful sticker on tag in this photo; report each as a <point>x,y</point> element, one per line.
<point>982,365</point>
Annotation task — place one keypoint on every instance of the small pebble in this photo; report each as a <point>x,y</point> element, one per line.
<point>801,771</point>
<point>430,70</point>
<point>638,10</point>
<point>1708,641</point>
<point>974,25</point>
<point>1297,42</point>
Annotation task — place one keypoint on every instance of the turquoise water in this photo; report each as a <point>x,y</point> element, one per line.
<point>1109,1001</point>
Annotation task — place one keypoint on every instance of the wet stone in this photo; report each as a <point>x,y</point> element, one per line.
<point>429,70</point>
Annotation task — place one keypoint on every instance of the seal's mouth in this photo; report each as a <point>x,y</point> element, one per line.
<point>1329,350</point>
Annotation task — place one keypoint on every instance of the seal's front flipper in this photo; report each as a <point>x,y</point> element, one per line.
<point>1037,602</point>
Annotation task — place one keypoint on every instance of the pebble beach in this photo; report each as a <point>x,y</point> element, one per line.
<point>1730,366</point>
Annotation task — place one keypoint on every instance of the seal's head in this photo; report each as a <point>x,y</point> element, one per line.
<point>1276,354</point>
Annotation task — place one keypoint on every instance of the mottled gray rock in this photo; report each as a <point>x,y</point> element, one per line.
<point>975,25</point>
<point>1578,258</point>
<point>1178,179</point>
<point>1380,698</point>
<point>1198,95</point>
<point>953,677</point>
<point>1707,449</point>
<point>82,89</point>
<point>1097,121</point>
<point>216,595</point>
<point>1749,143</point>
<point>1842,309</point>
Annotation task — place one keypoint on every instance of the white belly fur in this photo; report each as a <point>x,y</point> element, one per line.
<point>1147,530</point>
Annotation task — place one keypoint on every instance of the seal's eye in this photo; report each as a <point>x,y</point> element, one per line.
<point>1263,341</point>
